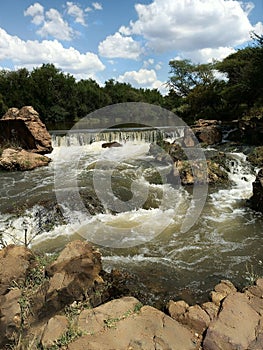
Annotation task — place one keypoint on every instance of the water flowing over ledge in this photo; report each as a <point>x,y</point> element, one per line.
<point>218,246</point>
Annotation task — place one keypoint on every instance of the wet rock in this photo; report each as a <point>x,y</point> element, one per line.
<point>10,316</point>
<point>201,172</point>
<point>208,131</point>
<point>249,131</point>
<point>256,157</point>
<point>111,144</point>
<point>131,328</point>
<point>25,129</point>
<point>256,201</point>
<point>14,159</point>
<point>15,262</point>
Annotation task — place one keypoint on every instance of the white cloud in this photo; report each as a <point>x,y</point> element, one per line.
<point>52,22</point>
<point>56,27</point>
<point>88,9</point>
<point>119,46</point>
<point>189,25</point>
<point>208,54</point>
<point>76,12</point>
<point>97,6</point>
<point>30,54</point>
<point>37,12</point>
<point>144,78</point>
<point>258,29</point>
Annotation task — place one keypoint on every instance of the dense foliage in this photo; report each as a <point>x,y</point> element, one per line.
<point>229,89</point>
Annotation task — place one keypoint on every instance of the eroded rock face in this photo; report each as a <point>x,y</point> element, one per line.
<point>14,159</point>
<point>15,262</point>
<point>118,324</point>
<point>72,275</point>
<point>207,131</point>
<point>256,201</point>
<point>25,129</point>
<point>10,316</point>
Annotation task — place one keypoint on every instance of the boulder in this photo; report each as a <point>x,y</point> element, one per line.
<point>249,131</point>
<point>207,131</point>
<point>199,171</point>
<point>54,329</point>
<point>15,262</point>
<point>23,128</point>
<point>120,324</point>
<point>111,144</point>
<point>194,317</point>
<point>19,159</point>
<point>256,157</point>
<point>10,316</point>
<point>236,326</point>
<point>256,201</point>
<point>71,277</point>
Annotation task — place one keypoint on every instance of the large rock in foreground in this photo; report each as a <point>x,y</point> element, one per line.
<point>121,324</point>
<point>24,128</point>
<point>19,159</point>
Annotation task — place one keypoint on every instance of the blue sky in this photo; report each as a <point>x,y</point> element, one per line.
<point>127,40</point>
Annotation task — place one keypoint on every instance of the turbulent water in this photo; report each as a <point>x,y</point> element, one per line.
<point>141,232</point>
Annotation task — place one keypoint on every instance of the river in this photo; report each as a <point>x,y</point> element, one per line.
<point>145,238</point>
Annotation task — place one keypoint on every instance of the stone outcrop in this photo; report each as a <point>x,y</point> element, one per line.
<point>25,129</point>
<point>207,131</point>
<point>256,201</point>
<point>24,140</point>
<point>230,320</point>
<point>248,131</point>
<point>75,272</point>
<point>15,262</point>
<point>20,159</point>
<point>120,325</point>
<point>256,157</point>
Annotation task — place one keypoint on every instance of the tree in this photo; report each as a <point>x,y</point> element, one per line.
<point>245,77</point>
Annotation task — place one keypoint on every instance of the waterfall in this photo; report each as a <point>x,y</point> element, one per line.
<point>85,137</point>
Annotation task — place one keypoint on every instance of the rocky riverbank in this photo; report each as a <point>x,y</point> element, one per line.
<point>24,140</point>
<point>67,301</point>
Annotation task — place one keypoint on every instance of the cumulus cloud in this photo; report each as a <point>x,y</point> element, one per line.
<point>30,54</point>
<point>36,11</point>
<point>76,12</point>
<point>56,27</point>
<point>189,25</point>
<point>209,54</point>
<point>120,46</point>
<point>52,22</point>
<point>145,78</point>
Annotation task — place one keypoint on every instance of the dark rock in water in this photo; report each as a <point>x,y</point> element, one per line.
<point>25,129</point>
<point>111,144</point>
<point>248,132</point>
<point>256,156</point>
<point>256,201</point>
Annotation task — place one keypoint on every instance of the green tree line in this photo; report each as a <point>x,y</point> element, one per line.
<point>230,89</point>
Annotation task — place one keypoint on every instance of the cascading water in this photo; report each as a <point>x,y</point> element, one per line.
<point>86,137</point>
<point>224,241</point>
